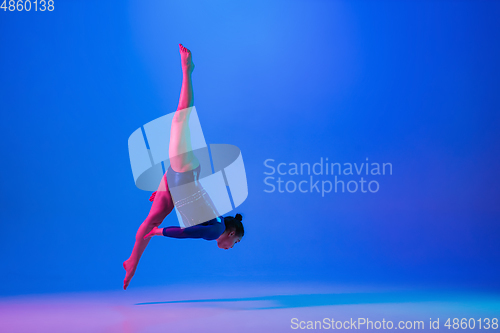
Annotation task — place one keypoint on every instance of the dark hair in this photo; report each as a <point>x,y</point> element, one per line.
<point>234,224</point>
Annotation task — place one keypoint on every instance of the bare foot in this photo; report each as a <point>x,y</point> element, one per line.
<point>186,61</point>
<point>130,269</point>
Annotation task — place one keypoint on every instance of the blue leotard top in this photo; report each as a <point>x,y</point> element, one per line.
<point>209,230</point>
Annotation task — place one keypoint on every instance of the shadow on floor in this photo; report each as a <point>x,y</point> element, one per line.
<point>308,300</point>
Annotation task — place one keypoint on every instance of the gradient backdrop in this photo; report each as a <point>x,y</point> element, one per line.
<point>414,84</point>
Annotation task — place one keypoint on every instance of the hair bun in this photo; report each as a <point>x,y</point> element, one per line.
<point>238,217</point>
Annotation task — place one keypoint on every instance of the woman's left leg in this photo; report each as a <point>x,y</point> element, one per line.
<point>181,154</point>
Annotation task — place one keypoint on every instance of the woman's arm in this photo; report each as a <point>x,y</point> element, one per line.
<point>208,232</point>
<point>196,231</point>
<point>155,232</point>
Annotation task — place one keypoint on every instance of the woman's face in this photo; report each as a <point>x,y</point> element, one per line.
<point>227,240</point>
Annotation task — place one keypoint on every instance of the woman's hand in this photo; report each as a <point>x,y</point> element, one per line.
<point>155,232</point>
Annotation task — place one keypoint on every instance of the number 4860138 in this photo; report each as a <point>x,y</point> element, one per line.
<point>27,5</point>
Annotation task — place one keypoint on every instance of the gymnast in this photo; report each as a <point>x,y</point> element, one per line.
<point>184,170</point>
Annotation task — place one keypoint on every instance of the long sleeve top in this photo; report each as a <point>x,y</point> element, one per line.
<point>209,230</point>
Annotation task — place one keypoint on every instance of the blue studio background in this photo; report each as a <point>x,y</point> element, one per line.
<point>414,84</point>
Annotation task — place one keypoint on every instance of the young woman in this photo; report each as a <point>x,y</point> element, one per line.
<point>184,169</point>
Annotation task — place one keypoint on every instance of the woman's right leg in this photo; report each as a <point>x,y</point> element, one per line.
<point>162,206</point>
<point>181,155</point>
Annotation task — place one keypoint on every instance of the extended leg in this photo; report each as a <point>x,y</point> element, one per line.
<point>162,206</point>
<point>181,156</point>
